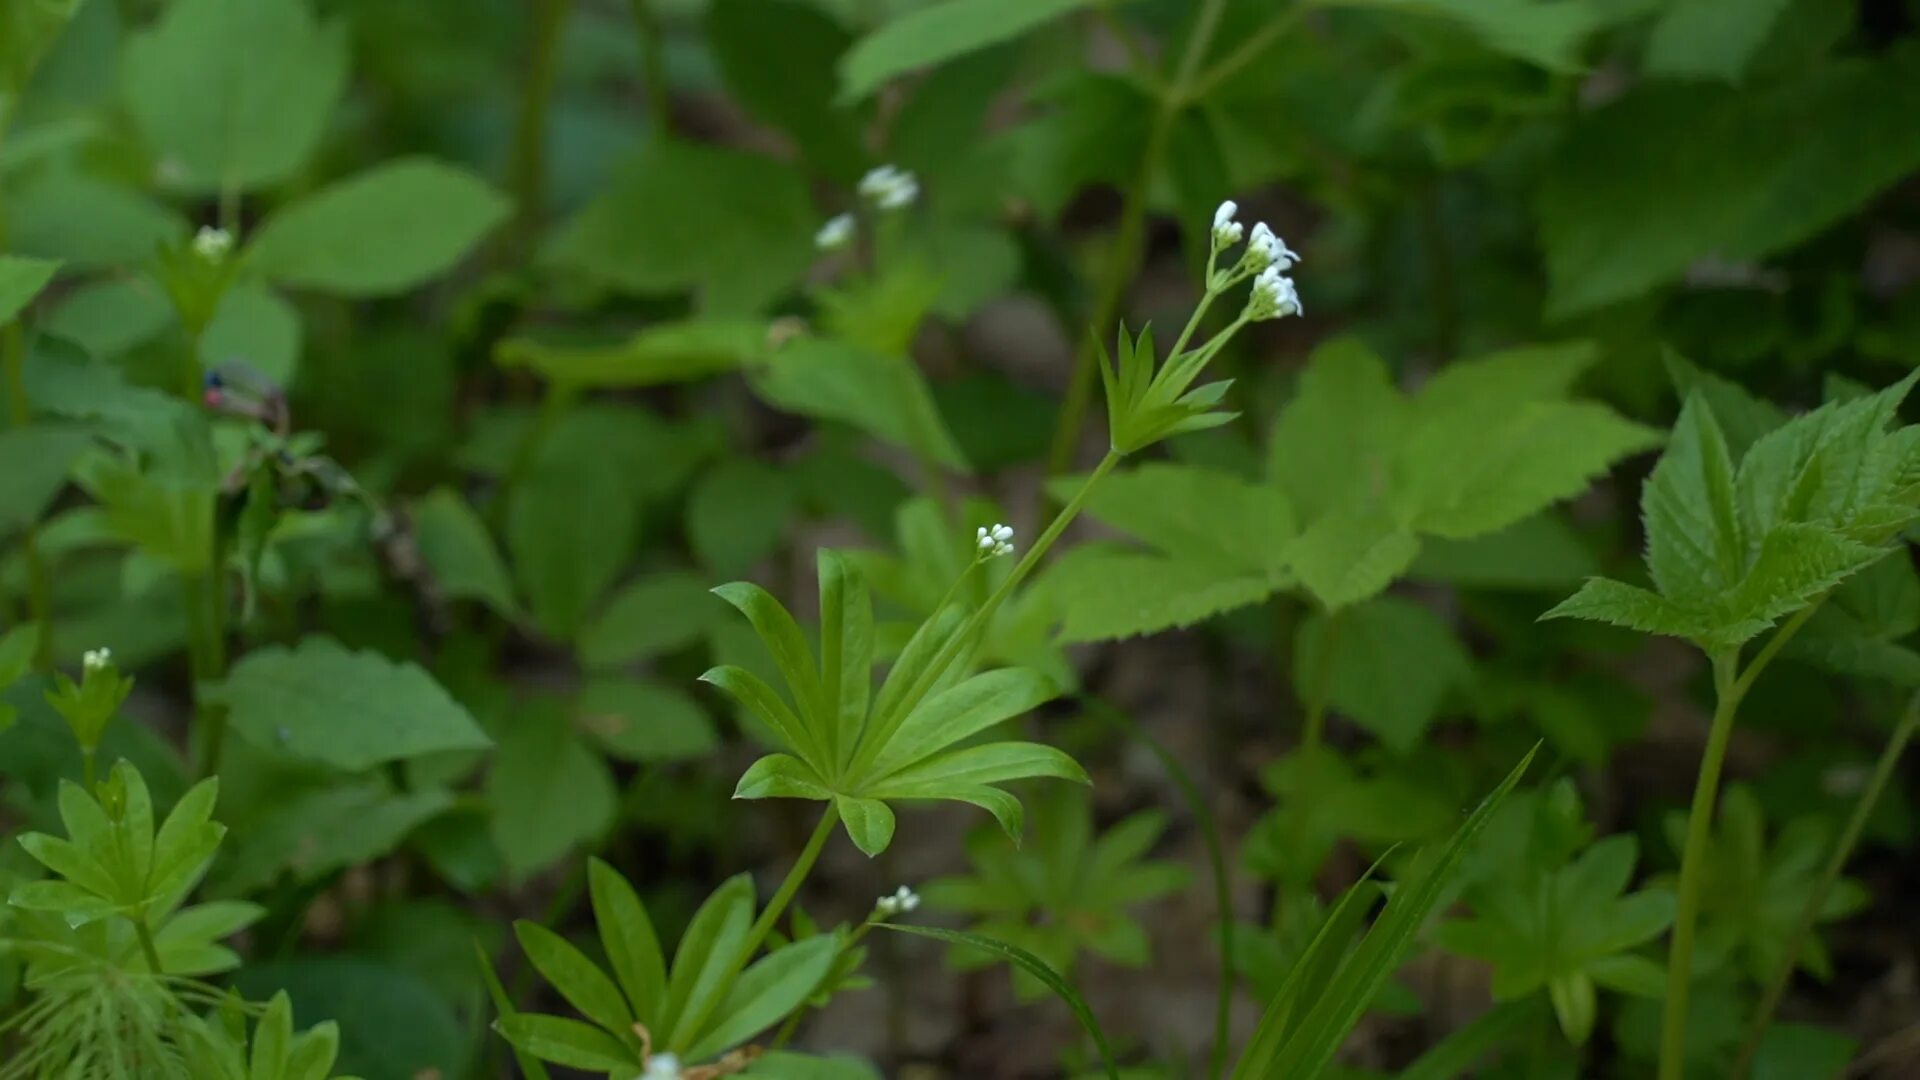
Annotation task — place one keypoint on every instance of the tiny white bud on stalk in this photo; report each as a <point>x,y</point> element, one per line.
<point>994,541</point>
<point>95,659</point>
<point>662,1067</point>
<point>212,244</point>
<point>1273,296</point>
<point>890,188</point>
<point>1227,231</point>
<point>836,233</point>
<point>1269,250</point>
<point>901,901</point>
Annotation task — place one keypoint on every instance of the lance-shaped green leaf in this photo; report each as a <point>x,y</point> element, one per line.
<point>842,743</point>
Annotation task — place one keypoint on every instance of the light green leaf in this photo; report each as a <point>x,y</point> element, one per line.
<point>655,614</point>
<point>674,352</point>
<point>1602,600</point>
<point>548,791</point>
<point>1205,516</point>
<point>351,710</point>
<point>1332,441</point>
<point>940,32</point>
<point>788,646</point>
<point>110,316</point>
<point>21,279</point>
<point>1796,564</point>
<point>1550,35</point>
<point>379,232</point>
<point>234,94</point>
<point>703,965</point>
<point>869,823</point>
<point>884,396</point>
<point>1348,556</point>
<point>567,1042</point>
<point>781,776</point>
<point>69,215</point>
<point>1540,552</point>
<point>1710,39</point>
<point>961,712</point>
<point>1160,593</point>
<point>1391,664</point>
<point>777,58</point>
<point>1696,547</point>
<point>627,934</point>
<point>313,834</point>
<point>257,326</point>
<point>455,545</point>
<point>644,721</point>
<point>577,978</point>
<point>766,992</point>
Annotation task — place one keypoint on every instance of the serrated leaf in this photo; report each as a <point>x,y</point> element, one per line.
<point>351,710</point>
<point>1348,556</point>
<point>379,232</point>
<point>1603,600</point>
<point>1159,593</point>
<point>1202,515</point>
<point>1696,546</point>
<point>1332,441</point>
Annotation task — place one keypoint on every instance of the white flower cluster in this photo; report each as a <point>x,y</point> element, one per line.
<point>902,901</point>
<point>1267,258</point>
<point>835,234</point>
<point>662,1067</point>
<point>995,541</point>
<point>95,659</point>
<point>212,244</point>
<point>889,187</point>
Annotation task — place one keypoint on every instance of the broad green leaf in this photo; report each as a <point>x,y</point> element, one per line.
<point>21,279</point>
<point>1803,1052</point>
<point>884,396</point>
<point>234,94</point>
<point>549,793</point>
<point>567,1042</point>
<point>258,327</point>
<point>1603,600</point>
<point>703,965</point>
<point>1330,444</point>
<point>1710,39</point>
<point>1388,662</point>
<point>735,227</point>
<point>1032,965</point>
<point>26,32</point>
<point>777,58</point>
<point>392,1022</point>
<point>86,222</point>
<point>1208,517</point>
<point>773,987</point>
<point>738,513</point>
<point>351,710</point>
<point>38,459</point>
<point>459,552</point>
<point>961,712</point>
<point>577,978</point>
<point>644,721</point>
<point>1159,593</point>
<point>110,316</point>
<point>1668,174</point>
<point>940,32</point>
<point>1742,417</point>
<point>675,352</point>
<point>379,232</point>
<point>781,776</point>
<point>869,823</point>
<point>1540,552</point>
<point>627,935</point>
<point>573,520</point>
<point>1550,35</point>
<point>1347,556</point>
<point>655,614</point>
<point>312,834</point>
<point>1795,564</point>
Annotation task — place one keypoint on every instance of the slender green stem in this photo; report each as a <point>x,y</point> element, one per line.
<point>529,166</point>
<point>1730,684</point>
<point>146,944</point>
<point>13,360</point>
<point>653,66</point>
<point>1124,259</point>
<point>1817,900</point>
<point>206,656</point>
<point>87,766</point>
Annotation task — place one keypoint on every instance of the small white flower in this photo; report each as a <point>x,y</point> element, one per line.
<point>212,244</point>
<point>1273,295</point>
<point>836,233</point>
<point>994,541</point>
<point>662,1067</point>
<point>890,187</point>
<point>1269,250</point>
<point>95,659</point>
<point>1227,231</point>
<point>900,902</point>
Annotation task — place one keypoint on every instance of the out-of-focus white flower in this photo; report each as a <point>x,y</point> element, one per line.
<point>95,659</point>
<point>900,902</point>
<point>1269,250</point>
<point>212,244</point>
<point>994,541</point>
<point>1227,231</point>
<point>890,187</point>
<point>662,1067</point>
<point>836,233</point>
<point>1273,296</point>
